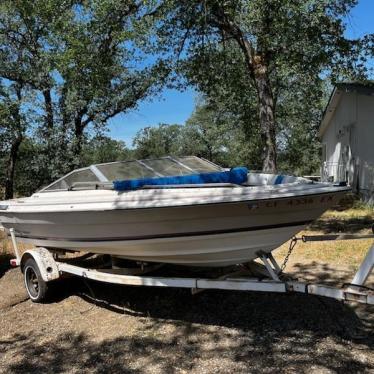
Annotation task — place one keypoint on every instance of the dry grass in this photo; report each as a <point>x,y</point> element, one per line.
<point>6,252</point>
<point>6,248</point>
<point>344,253</point>
<point>4,244</point>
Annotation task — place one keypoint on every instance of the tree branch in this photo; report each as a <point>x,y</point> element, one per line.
<point>222,22</point>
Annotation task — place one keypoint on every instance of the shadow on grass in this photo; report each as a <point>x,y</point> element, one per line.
<point>212,331</point>
<point>322,273</point>
<point>244,310</point>
<point>190,349</point>
<point>337,225</point>
<point>232,331</point>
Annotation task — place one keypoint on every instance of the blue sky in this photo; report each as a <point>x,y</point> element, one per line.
<point>175,107</point>
<point>171,107</point>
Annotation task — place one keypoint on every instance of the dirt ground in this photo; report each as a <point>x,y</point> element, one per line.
<point>99,328</point>
<point>144,330</point>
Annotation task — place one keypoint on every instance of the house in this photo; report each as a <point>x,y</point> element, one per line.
<point>347,134</point>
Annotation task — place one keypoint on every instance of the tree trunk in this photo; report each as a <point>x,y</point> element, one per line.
<point>267,119</point>
<point>14,149</point>
<point>48,110</point>
<point>258,72</point>
<point>49,150</point>
<point>207,144</point>
<point>11,166</point>
<point>78,140</point>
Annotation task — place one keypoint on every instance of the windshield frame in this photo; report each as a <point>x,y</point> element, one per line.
<point>102,179</point>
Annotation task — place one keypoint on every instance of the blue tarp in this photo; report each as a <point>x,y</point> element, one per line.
<point>279,179</point>
<point>236,175</point>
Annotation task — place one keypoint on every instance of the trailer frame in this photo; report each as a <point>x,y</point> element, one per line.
<point>253,276</point>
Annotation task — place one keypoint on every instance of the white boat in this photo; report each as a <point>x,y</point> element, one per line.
<point>203,224</point>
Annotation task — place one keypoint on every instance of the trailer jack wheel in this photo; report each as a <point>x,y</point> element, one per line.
<point>36,287</point>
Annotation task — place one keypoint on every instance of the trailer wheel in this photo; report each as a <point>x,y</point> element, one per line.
<point>36,287</point>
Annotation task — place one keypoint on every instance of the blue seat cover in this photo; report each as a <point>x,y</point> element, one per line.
<point>236,175</point>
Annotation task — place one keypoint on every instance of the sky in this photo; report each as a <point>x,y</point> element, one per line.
<point>176,107</point>
<point>172,107</point>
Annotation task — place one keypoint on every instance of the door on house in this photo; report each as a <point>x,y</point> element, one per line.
<point>345,159</point>
<point>324,162</point>
<point>353,164</point>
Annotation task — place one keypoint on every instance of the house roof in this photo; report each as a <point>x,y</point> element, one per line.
<point>366,88</point>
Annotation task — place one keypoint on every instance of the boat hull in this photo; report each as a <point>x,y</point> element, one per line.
<point>216,234</point>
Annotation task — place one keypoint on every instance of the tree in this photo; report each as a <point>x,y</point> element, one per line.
<point>28,169</point>
<point>298,120</point>
<point>275,42</point>
<point>102,149</point>
<point>214,132</point>
<point>202,135</point>
<point>12,132</point>
<point>86,61</point>
<point>158,141</point>
<point>211,132</point>
<point>29,172</point>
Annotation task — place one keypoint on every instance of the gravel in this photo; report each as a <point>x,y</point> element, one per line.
<point>146,330</point>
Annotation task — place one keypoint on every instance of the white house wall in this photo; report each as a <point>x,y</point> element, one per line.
<point>365,140</point>
<point>349,140</point>
<point>336,136</point>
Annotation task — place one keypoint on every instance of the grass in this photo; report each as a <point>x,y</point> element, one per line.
<point>6,252</point>
<point>355,220</point>
<point>5,245</point>
<point>342,253</point>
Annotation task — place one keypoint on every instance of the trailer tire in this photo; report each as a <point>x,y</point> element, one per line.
<point>36,287</point>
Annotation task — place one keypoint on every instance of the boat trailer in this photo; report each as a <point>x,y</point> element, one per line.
<point>41,266</point>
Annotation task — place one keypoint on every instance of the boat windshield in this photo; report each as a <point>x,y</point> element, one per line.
<point>135,169</point>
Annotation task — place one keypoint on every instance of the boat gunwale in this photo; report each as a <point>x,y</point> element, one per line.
<point>246,199</point>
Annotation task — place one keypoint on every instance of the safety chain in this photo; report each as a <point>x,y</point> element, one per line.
<point>293,243</point>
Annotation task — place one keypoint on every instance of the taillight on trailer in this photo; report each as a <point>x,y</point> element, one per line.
<point>14,262</point>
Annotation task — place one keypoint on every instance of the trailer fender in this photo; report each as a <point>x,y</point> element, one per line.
<point>45,261</point>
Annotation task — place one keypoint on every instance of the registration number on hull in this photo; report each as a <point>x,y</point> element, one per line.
<point>291,202</point>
